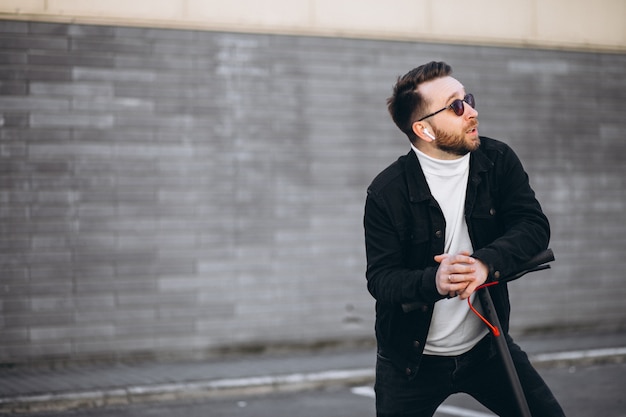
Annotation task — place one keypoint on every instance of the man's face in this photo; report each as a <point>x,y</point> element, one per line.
<point>455,135</point>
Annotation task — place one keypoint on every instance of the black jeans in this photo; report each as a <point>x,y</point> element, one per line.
<point>478,373</point>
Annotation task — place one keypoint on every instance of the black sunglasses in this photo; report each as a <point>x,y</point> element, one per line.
<point>457,106</point>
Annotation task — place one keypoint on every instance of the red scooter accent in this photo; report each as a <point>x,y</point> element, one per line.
<point>494,329</point>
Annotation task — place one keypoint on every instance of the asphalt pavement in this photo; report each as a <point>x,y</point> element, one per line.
<point>32,389</point>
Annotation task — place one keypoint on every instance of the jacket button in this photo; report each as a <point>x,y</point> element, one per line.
<point>408,371</point>
<point>416,344</point>
<point>438,234</point>
<point>496,275</point>
<point>492,211</point>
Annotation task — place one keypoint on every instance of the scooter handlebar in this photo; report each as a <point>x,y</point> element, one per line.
<point>537,263</point>
<point>540,259</point>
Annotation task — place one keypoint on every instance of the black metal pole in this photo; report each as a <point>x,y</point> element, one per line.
<point>504,353</point>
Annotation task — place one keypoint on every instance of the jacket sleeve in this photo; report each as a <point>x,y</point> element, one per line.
<point>524,228</point>
<point>389,278</point>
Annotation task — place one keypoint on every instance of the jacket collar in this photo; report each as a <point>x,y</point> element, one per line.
<point>416,181</point>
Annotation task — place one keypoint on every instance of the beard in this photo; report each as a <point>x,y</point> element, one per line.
<point>456,144</point>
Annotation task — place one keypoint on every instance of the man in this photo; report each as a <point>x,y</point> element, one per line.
<point>455,212</point>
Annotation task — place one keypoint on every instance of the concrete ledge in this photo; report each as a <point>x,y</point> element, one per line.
<point>255,385</point>
<point>184,390</point>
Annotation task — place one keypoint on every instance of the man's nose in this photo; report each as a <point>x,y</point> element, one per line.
<point>470,112</point>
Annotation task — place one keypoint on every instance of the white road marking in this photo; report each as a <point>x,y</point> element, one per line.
<point>364,391</point>
<point>461,412</point>
<point>579,355</point>
<point>450,410</point>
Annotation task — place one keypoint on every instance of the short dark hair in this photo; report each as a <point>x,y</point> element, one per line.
<point>407,103</point>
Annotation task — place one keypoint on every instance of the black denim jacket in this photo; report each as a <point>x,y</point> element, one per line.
<point>405,229</point>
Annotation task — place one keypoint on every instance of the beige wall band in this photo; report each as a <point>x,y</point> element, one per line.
<point>569,24</point>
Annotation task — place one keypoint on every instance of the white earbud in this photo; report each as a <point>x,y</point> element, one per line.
<point>427,133</point>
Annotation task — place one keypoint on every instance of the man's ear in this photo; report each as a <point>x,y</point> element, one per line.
<point>421,131</point>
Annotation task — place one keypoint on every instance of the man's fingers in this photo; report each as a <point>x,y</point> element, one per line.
<point>455,273</point>
<point>456,288</point>
<point>469,290</point>
<point>440,258</point>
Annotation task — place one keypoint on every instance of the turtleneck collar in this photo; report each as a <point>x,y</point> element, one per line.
<point>441,167</point>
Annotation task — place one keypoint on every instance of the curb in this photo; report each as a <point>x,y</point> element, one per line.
<point>184,391</point>
<point>222,388</point>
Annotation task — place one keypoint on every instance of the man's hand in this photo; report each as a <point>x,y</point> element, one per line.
<point>459,274</point>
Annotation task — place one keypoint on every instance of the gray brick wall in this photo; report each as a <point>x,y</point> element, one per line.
<point>183,192</point>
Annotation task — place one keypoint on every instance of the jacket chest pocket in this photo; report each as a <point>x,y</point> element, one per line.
<point>483,221</point>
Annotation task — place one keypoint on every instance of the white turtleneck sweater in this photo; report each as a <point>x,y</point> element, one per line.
<point>454,329</point>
